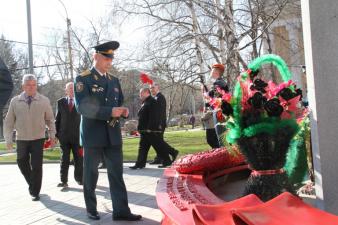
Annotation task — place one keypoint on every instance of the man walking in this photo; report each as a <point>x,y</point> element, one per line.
<point>28,114</point>
<point>162,111</point>
<point>148,127</point>
<point>98,98</point>
<point>67,125</point>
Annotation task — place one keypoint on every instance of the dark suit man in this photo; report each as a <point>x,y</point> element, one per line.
<point>98,98</point>
<point>162,111</point>
<point>67,125</point>
<point>149,129</point>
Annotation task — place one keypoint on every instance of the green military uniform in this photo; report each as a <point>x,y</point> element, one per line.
<point>95,97</point>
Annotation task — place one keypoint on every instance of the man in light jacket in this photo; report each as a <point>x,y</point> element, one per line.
<point>28,114</point>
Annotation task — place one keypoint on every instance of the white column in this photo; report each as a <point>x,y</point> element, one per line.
<point>320,20</point>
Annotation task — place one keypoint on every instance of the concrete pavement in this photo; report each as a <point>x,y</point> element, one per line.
<point>58,206</point>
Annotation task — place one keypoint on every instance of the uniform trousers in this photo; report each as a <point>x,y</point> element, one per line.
<point>114,162</point>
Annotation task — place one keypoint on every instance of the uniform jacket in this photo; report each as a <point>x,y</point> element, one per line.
<point>95,97</point>
<point>67,122</point>
<point>162,110</point>
<point>148,119</point>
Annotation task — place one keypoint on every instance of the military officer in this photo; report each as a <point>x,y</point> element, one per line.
<point>98,98</point>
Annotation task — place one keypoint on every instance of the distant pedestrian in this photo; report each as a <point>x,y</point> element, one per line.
<point>28,114</point>
<point>68,132</point>
<point>192,121</point>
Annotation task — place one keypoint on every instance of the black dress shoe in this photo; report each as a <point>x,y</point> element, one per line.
<point>64,185</point>
<point>156,161</point>
<point>130,217</point>
<point>79,182</point>
<point>93,216</point>
<point>35,198</point>
<point>165,165</point>
<point>136,167</point>
<point>174,155</point>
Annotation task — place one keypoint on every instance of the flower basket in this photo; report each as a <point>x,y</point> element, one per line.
<point>262,122</point>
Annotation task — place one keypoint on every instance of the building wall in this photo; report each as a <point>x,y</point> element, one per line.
<point>287,41</point>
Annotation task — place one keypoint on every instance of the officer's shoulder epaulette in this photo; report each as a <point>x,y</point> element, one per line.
<point>111,76</point>
<point>85,73</point>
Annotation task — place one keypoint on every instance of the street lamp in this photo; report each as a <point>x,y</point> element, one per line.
<point>68,41</point>
<point>30,41</point>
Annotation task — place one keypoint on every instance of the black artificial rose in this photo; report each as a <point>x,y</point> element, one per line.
<point>259,85</point>
<point>257,100</point>
<point>226,108</point>
<point>251,117</point>
<point>299,92</point>
<point>286,93</point>
<point>273,107</point>
<point>253,74</point>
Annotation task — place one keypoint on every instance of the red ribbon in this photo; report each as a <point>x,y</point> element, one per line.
<point>267,172</point>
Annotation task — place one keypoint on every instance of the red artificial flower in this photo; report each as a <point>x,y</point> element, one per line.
<point>219,116</point>
<point>290,107</point>
<point>47,144</point>
<point>80,152</point>
<point>301,114</point>
<point>215,103</point>
<point>273,89</point>
<point>246,93</point>
<point>226,96</point>
<point>145,79</point>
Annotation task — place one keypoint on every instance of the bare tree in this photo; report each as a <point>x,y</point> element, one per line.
<point>203,32</point>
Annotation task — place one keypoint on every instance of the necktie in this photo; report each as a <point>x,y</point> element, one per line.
<point>29,100</point>
<point>70,104</point>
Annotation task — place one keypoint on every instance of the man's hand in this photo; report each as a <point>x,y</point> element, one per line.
<point>117,112</point>
<point>10,147</point>
<point>125,112</point>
